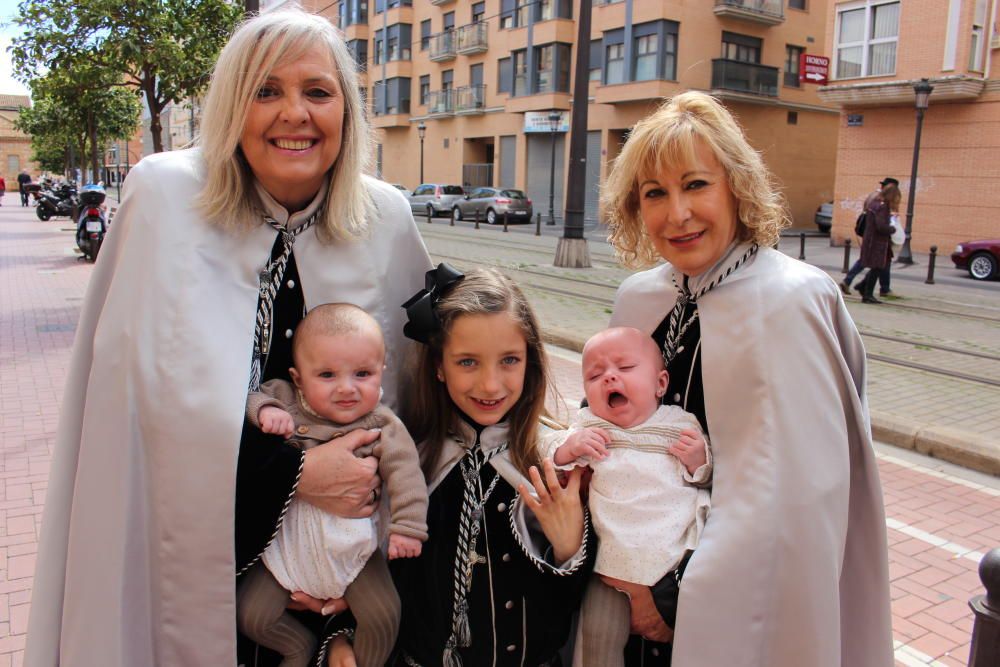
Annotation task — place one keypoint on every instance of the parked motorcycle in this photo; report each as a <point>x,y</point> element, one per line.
<point>59,200</point>
<point>92,224</point>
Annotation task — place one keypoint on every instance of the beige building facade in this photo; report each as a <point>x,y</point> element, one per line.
<point>879,49</point>
<point>483,78</point>
<point>15,146</point>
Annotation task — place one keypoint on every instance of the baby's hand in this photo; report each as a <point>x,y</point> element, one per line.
<point>401,546</point>
<point>690,450</point>
<point>592,442</point>
<point>275,420</point>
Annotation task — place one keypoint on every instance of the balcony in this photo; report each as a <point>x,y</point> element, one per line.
<point>443,46</point>
<point>741,77</point>
<point>768,12</point>
<point>441,2</point>
<point>472,39</point>
<point>441,103</point>
<point>470,100</point>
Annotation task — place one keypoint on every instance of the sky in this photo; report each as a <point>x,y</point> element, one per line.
<point>8,86</point>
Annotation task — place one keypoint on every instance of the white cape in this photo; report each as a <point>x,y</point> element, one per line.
<point>792,567</point>
<point>136,562</point>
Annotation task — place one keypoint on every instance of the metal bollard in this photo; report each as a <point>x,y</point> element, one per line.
<point>451,219</point>
<point>538,224</point>
<point>477,218</point>
<point>847,256</point>
<point>984,651</point>
<point>430,214</point>
<point>505,223</point>
<point>930,266</point>
<point>802,245</point>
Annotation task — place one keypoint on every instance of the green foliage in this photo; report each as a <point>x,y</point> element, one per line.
<point>163,48</point>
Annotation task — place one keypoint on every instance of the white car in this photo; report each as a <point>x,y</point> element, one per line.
<point>402,188</point>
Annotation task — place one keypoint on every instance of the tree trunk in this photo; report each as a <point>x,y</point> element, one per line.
<point>94,161</point>
<point>155,109</point>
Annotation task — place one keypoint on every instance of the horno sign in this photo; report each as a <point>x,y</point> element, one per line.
<point>813,69</point>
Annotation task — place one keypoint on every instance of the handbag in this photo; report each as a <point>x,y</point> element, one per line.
<point>898,233</point>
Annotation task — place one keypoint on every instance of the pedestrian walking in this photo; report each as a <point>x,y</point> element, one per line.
<point>23,180</point>
<point>3,189</point>
<point>792,568</point>
<point>161,492</point>
<point>858,267</point>
<point>876,244</point>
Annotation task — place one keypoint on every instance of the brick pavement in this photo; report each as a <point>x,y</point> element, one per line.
<point>941,519</point>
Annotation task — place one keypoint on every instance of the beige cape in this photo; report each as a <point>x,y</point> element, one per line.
<point>792,567</point>
<point>136,561</point>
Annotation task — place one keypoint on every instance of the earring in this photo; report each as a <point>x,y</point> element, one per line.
<point>440,377</point>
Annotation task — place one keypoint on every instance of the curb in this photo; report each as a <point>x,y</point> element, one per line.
<point>963,448</point>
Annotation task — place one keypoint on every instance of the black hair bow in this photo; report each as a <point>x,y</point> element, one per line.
<point>420,308</point>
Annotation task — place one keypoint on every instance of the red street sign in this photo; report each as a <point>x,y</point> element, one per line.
<point>813,69</point>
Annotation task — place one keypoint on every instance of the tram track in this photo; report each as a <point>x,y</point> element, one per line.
<point>979,361</point>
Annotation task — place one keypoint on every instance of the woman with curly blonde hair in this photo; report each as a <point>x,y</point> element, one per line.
<point>792,566</point>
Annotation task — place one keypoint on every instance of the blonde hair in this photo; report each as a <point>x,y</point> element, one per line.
<point>336,319</point>
<point>430,413</point>
<point>670,137</point>
<point>260,44</point>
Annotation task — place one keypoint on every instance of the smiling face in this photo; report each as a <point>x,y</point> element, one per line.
<point>689,212</point>
<point>623,376</point>
<point>340,376</point>
<point>292,134</point>
<point>483,365</point>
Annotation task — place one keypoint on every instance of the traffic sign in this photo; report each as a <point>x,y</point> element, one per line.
<point>813,69</point>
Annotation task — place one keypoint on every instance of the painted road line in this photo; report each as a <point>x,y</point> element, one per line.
<point>911,657</point>
<point>957,549</point>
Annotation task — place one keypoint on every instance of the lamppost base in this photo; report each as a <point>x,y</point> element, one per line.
<point>572,254</point>
<point>905,261</point>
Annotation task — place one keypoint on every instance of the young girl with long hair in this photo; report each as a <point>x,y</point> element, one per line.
<point>509,554</point>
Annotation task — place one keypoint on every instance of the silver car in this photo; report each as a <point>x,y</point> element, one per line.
<point>435,199</point>
<point>492,204</point>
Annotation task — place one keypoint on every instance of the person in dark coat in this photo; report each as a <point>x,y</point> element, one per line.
<point>858,267</point>
<point>876,246</point>
<point>23,179</point>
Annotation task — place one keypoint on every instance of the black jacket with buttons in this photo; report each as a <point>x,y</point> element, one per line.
<point>520,609</point>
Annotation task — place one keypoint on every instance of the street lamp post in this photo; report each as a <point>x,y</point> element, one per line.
<point>922,90</point>
<point>421,131</point>
<point>554,119</point>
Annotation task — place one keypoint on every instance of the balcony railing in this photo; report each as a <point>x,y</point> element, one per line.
<point>441,2</point>
<point>744,77</point>
<point>443,46</point>
<point>471,39</point>
<point>470,99</point>
<point>441,102</point>
<point>768,12</point>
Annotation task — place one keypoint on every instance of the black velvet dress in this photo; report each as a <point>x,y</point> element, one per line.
<point>684,389</point>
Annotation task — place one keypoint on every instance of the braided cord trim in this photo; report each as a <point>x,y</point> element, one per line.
<point>321,655</point>
<point>578,559</point>
<point>281,517</point>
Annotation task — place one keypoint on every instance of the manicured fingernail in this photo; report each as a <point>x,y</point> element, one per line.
<point>327,610</point>
<point>295,597</point>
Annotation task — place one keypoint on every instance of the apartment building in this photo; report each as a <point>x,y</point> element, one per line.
<point>490,82</point>
<point>15,146</point>
<point>879,49</point>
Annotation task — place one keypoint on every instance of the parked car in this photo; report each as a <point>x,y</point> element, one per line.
<point>492,204</point>
<point>402,188</point>
<point>980,258</point>
<point>824,217</point>
<point>435,199</point>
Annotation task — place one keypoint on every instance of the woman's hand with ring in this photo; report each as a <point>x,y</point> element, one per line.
<point>336,481</point>
<point>301,601</point>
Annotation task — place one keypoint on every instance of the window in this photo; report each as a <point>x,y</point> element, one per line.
<point>744,48</point>
<point>449,21</point>
<point>552,68</point>
<point>353,12</point>
<point>614,63</point>
<point>397,100</point>
<point>359,49</point>
<point>519,59</point>
<point>447,78</point>
<point>478,11</point>
<point>380,4</point>
<point>398,44</point>
<point>425,88</point>
<point>976,48</point>
<point>505,76</point>
<point>553,9</point>
<point>506,14</point>
<point>865,43</point>
<point>793,117</point>
<point>793,56</point>
<point>646,57</point>
<point>521,9</point>
<point>796,4</point>
<point>425,34</point>
<point>595,60</point>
